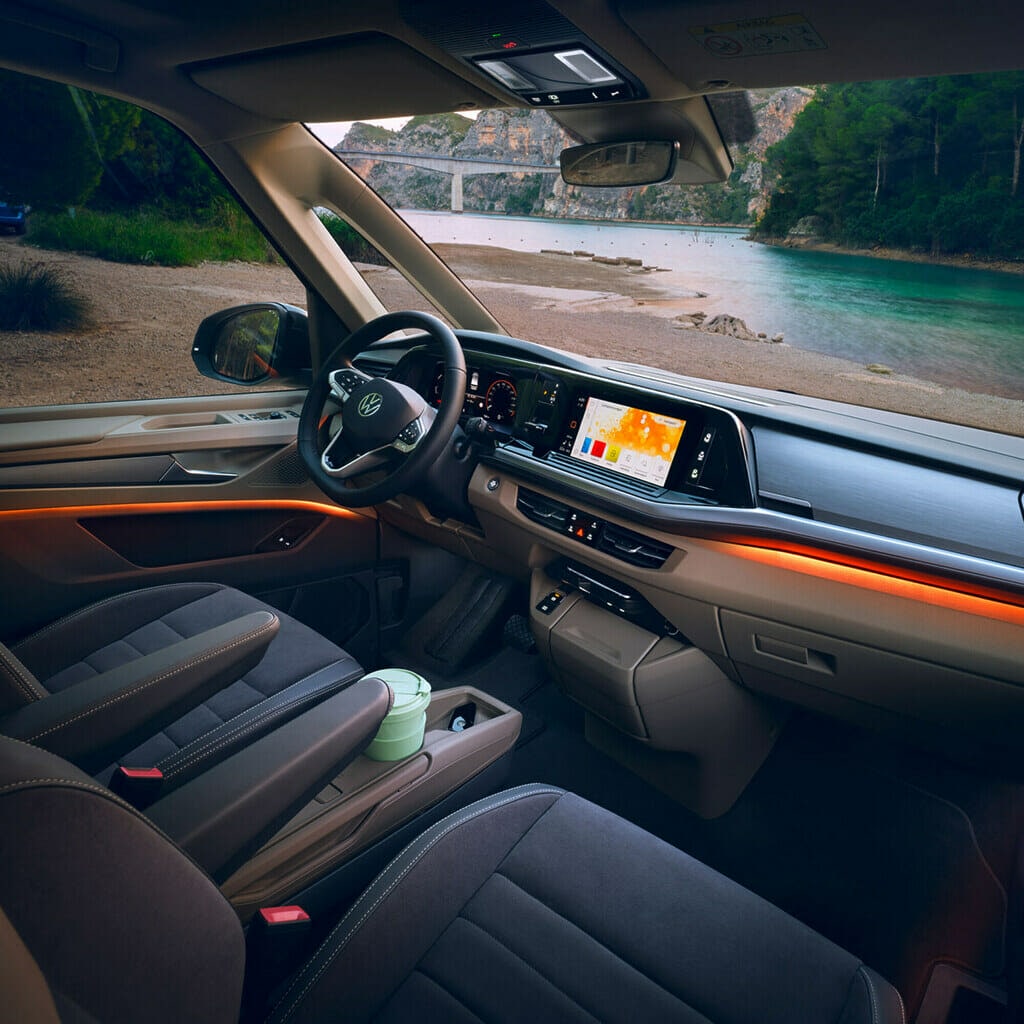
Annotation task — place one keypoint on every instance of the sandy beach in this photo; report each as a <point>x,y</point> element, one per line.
<point>144,318</point>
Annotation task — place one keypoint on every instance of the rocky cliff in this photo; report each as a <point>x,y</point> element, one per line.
<point>531,136</point>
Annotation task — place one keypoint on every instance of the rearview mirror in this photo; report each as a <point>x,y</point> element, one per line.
<point>255,344</point>
<point>615,164</point>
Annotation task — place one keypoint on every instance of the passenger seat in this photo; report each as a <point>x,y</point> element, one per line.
<point>532,904</point>
<point>266,668</point>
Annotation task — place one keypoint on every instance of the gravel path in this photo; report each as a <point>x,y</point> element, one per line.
<point>144,318</point>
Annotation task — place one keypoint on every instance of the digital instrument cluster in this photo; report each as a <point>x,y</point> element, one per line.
<point>491,394</point>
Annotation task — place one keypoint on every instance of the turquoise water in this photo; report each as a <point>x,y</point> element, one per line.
<point>952,325</point>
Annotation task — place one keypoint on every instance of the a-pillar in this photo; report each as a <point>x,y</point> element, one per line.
<point>457,192</point>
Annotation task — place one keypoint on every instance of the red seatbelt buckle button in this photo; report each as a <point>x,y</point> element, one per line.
<point>276,916</point>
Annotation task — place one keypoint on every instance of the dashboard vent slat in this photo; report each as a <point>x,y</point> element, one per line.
<point>552,514</point>
<point>632,547</point>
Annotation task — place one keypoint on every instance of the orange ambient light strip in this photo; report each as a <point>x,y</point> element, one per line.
<point>158,507</point>
<point>884,578</point>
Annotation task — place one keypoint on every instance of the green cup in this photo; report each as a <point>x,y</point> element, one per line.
<point>401,732</point>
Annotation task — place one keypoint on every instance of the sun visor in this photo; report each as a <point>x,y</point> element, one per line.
<point>345,79</point>
<point>749,44</point>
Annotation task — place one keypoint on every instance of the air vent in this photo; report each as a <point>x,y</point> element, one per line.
<point>632,547</point>
<point>552,514</point>
<point>374,367</point>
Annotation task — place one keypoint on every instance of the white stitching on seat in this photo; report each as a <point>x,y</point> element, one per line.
<point>454,820</point>
<point>876,1015</point>
<point>216,652</point>
<point>209,743</point>
<point>20,676</point>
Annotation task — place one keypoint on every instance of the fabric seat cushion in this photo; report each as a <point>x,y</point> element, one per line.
<point>537,905</point>
<point>113,632</point>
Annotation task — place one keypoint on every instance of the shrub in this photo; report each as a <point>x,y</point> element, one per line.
<point>351,243</point>
<point>150,237</point>
<point>37,297</point>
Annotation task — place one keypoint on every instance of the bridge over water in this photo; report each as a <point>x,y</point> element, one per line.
<point>457,167</point>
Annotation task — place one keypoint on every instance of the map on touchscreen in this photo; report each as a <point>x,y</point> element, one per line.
<point>629,441</point>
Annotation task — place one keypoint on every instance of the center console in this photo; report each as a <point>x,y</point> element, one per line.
<point>466,731</point>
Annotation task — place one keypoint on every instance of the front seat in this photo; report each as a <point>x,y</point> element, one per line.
<point>529,905</point>
<point>252,666</point>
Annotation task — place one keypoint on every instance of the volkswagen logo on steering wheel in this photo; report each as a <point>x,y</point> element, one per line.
<point>369,405</point>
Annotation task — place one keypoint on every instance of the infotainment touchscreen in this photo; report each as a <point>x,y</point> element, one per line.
<point>626,440</point>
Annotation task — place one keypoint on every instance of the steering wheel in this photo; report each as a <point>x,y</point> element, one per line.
<point>383,422</point>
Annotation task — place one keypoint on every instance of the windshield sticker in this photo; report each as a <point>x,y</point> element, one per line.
<point>758,37</point>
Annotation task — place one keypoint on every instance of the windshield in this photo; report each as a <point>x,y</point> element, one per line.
<point>867,247</point>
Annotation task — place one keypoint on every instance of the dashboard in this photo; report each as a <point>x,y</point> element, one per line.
<point>632,439</point>
<point>862,564</point>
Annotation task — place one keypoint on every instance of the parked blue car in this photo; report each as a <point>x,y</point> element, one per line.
<point>13,218</point>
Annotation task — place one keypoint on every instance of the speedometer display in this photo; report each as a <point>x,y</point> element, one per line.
<point>500,401</point>
<point>489,393</point>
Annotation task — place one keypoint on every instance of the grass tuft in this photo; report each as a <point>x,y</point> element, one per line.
<point>151,237</point>
<point>35,297</point>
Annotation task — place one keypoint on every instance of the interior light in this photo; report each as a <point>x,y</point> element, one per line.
<point>508,76</point>
<point>581,64</point>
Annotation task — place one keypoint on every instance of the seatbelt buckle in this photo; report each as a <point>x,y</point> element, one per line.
<point>276,941</point>
<point>276,934</point>
<point>292,916</point>
<point>139,786</point>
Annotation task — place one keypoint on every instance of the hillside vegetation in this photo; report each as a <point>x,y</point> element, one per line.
<point>531,136</point>
<point>930,164</point>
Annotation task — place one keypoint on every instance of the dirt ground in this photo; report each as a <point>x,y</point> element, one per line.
<point>144,318</point>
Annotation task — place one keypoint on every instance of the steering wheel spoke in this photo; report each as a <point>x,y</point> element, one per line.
<point>341,463</point>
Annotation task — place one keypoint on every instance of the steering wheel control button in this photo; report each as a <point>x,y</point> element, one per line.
<point>344,382</point>
<point>409,436</point>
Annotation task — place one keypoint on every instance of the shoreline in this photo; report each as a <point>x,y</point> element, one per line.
<point>966,261</point>
<point>145,317</point>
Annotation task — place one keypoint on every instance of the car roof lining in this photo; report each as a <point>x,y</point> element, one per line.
<point>272,61</point>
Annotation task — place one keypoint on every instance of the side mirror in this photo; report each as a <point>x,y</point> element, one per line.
<point>616,164</point>
<point>254,344</point>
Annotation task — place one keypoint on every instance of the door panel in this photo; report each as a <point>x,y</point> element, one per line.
<point>95,500</point>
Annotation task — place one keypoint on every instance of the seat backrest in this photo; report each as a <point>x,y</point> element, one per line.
<point>122,924</point>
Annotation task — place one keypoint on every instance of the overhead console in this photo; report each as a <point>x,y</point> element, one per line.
<point>529,49</point>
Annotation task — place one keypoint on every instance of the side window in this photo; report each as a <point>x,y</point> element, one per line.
<point>116,240</point>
